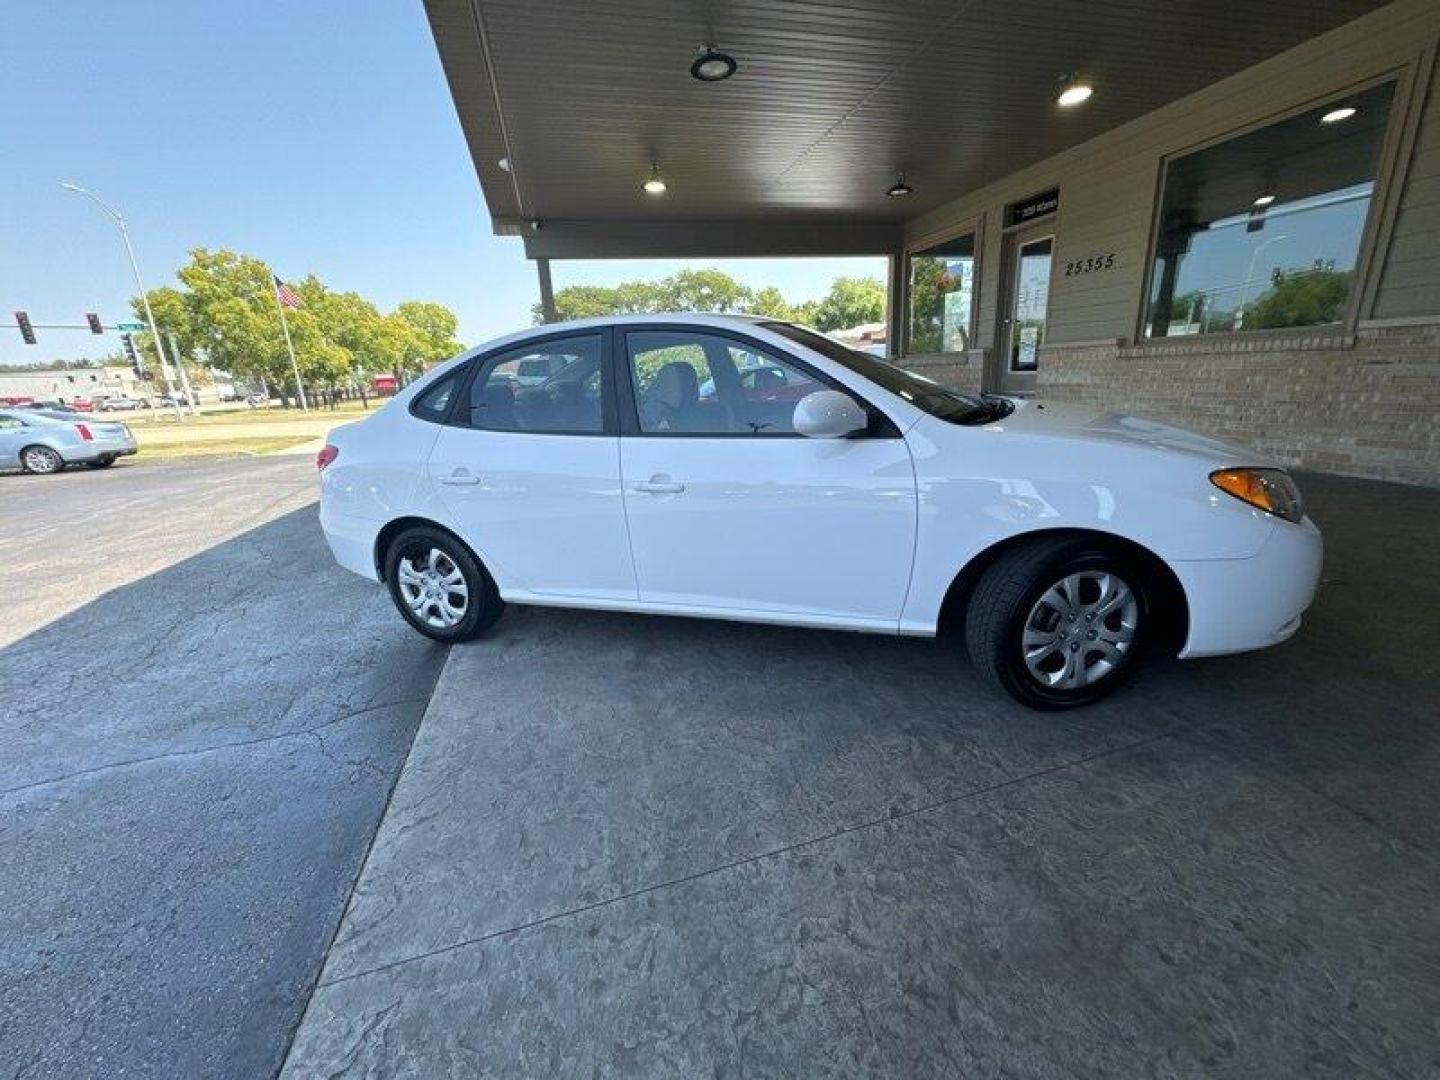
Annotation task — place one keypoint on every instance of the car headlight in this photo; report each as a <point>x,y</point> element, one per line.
<point>1270,490</point>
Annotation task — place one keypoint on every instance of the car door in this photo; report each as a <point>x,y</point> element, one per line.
<point>12,434</point>
<point>531,471</point>
<point>730,509</point>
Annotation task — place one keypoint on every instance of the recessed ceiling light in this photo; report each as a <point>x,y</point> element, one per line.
<point>655,185</point>
<point>1073,92</point>
<point>1264,200</point>
<point>900,188</point>
<point>1334,116</point>
<point>712,65</point>
<point>504,164</point>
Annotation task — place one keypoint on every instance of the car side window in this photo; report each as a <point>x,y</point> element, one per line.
<point>434,403</point>
<point>11,423</point>
<point>693,383</point>
<point>554,387</point>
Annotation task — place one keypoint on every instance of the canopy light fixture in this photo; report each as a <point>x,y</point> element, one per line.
<point>900,188</point>
<point>504,164</point>
<point>655,185</point>
<point>1073,91</point>
<point>1334,116</point>
<point>1264,200</point>
<point>712,65</point>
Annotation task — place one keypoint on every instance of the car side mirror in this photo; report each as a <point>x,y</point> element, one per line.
<point>829,414</point>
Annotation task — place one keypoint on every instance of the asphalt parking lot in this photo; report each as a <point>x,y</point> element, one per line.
<point>647,847</point>
<point>200,721</point>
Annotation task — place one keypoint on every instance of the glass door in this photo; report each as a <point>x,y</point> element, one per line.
<point>1024,313</point>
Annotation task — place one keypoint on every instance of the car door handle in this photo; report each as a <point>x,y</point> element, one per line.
<point>460,479</point>
<point>659,485</point>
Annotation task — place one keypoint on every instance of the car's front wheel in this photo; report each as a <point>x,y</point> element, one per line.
<point>439,586</point>
<point>41,459</point>
<point>1058,623</point>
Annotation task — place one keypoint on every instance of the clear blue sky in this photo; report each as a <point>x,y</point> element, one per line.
<point>317,135</point>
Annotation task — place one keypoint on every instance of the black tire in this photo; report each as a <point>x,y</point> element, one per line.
<point>482,600</point>
<point>101,463</point>
<point>41,460</point>
<point>1005,600</point>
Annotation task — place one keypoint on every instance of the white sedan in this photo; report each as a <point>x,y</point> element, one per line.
<point>1064,540</point>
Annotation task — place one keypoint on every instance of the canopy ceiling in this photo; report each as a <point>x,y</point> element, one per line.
<point>793,154</point>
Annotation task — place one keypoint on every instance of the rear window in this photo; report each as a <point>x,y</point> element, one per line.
<point>434,403</point>
<point>57,414</point>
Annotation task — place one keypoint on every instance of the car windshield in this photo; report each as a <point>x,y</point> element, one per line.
<point>923,393</point>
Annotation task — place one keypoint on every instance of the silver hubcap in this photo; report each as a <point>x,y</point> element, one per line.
<point>433,588</point>
<point>1080,629</point>
<point>37,460</point>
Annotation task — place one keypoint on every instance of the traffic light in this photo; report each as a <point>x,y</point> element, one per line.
<point>128,344</point>
<point>94,321</point>
<point>27,331</point>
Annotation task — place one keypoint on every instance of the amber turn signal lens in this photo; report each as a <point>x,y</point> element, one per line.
<point>1270,490</point>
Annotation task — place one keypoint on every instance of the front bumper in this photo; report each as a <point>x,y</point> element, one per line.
<point>1242,604</point>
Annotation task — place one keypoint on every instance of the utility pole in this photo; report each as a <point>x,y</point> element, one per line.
<point>184,376</point>
<point>139,284</point>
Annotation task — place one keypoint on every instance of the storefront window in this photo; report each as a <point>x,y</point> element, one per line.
<point>942,286</point>
<point>1263,231</point>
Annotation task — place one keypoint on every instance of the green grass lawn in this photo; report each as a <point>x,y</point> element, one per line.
<point>239,447</point>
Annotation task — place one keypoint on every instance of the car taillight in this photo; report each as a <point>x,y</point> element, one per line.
<point>84,433</point>
<point>327,454</point>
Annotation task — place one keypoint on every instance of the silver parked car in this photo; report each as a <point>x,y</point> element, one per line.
<point>46,440</point>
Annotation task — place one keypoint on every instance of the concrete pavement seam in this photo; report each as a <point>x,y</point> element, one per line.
<point>315,983</point>
<point>760,856</point>
<point>300,733</point>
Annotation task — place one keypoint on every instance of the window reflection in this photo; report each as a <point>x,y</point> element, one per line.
<point>942,286</point>
<point>1263,231</point>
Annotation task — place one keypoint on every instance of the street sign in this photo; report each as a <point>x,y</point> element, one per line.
<point>130,327</point>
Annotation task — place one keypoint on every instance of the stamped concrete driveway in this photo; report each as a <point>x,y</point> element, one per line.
<point>647,847</point>
<point>201,718</point>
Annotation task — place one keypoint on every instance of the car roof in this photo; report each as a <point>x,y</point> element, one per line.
<point>683,318</point>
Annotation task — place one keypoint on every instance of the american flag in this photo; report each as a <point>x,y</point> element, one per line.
<point>285,294</point>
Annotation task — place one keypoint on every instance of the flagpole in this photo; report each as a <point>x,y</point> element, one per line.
<point>285,326</point>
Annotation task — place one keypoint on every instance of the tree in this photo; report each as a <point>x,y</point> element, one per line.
<point>850,302</point>
<point>771,301</point>
<point>1303,298</point>
<point>434,327</point>
<point>704,290</point>
<point>231,315</point>
<point>226,315</point>
<point>582,302</point>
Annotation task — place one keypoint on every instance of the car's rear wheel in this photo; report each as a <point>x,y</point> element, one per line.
<point>102,462</point>
<point>1058,623</point>
<point>439,586</point>
<point>41,460</point>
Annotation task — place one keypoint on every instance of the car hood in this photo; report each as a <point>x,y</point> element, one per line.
<point>1097,425</point>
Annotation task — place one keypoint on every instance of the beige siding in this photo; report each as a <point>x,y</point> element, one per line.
<point>1108,185</point>
<point>1410,283</point>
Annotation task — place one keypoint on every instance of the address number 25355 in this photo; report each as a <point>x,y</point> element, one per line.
<point>1090,265</point>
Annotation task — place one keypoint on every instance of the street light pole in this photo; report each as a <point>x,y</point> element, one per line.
<point>144,296</point>
<point>1250,270</point>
